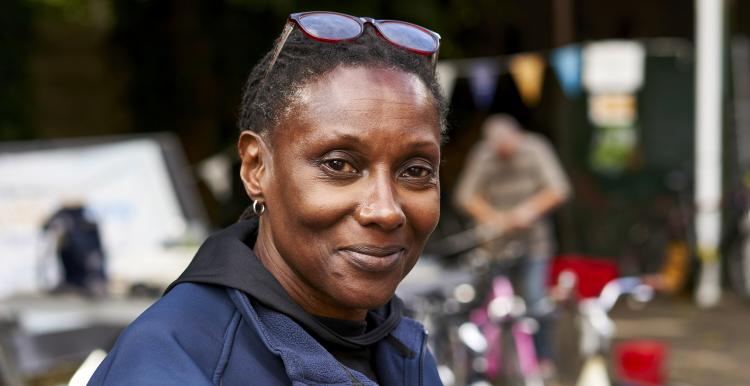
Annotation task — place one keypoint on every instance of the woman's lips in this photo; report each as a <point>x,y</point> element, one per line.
<point>374,258</point>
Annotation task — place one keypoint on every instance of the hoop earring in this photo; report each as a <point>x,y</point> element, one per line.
<point>258,207</point>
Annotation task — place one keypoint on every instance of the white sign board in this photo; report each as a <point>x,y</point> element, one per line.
<point>615,66</point>
<point>124,185</point>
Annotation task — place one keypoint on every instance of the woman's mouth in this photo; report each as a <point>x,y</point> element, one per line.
<point>372,258</point>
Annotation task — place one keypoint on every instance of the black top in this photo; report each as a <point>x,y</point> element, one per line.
<point>227,259</point>
<point>355,358</point>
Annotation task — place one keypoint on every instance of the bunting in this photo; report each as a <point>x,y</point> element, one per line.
<point>446,77</point>
<point>566,62</point>
<point>527,71</point>
<point>607,67</point>
<point>483,75</point>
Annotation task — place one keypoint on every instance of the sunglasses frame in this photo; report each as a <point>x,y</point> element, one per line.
<point>294,19</point>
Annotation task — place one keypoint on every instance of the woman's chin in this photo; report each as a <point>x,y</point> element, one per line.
<point>366,298</point>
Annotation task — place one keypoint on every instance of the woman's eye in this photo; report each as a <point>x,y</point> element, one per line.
<point>417,172</point>
<point>340,165</point>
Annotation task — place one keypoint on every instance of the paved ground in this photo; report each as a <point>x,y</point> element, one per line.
<point>706,347</point>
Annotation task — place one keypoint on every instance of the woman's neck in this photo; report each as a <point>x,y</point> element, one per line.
<point>306,296</point>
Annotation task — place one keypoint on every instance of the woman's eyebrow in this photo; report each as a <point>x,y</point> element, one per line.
<point>420,144</point>
<point>334,134</point>
<point>413,145</point>
<point>349,137</point>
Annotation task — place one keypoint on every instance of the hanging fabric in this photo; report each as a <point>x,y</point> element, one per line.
<point>483,81</point>
<point>566,62</point>
<point>527,71</point>
<point>446,76</point>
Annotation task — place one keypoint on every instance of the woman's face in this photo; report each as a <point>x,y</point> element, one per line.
<point>351,189</point>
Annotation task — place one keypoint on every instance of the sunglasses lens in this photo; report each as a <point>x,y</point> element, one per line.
<point>408,36</point>
<point>330,26</point>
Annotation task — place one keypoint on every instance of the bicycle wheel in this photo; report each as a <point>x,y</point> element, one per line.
<point>459,358</point>
<point>567,345</point>
<point>511,374</point>
<point>738,266</point>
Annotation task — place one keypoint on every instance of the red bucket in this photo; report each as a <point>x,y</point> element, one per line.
<point>641,362</point>
<point>592,273</point>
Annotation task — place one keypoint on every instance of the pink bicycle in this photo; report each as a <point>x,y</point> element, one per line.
<point>495,340</point>
<point>508,350</point>
<point>501,336</point>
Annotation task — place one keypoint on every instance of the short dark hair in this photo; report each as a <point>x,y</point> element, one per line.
<point>303,60</point>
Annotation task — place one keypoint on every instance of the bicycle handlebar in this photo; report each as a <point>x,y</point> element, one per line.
<point>624,286</point>
<point>467,240</point>
<point>597,310</point>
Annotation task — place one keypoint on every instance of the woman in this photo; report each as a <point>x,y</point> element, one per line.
<point>340,146</point>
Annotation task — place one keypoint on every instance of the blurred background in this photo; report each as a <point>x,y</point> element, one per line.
<point>117,136</point>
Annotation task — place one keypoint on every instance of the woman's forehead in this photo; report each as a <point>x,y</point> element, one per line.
<point>364,101</point>
<point>353,87</point>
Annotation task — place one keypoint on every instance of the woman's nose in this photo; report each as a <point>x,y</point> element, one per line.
<point>380,206</point>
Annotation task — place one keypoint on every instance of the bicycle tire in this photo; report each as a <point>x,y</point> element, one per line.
<point>460,358</point>
<point>511,374</point>
<point>738,267</point>
<point>567,342</point>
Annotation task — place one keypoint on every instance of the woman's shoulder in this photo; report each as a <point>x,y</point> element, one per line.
<point>178,340</point>
<point>192,314</point>
<point>191,298</point>
<point>189,310</point>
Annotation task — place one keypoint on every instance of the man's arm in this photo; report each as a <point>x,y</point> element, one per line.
<point>556,188</point>
<point>479,210</point>
<point>468,193</point>
<point>536,206</point>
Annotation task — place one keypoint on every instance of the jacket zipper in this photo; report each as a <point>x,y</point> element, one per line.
<point>355,381</point>
<point>421,358</point>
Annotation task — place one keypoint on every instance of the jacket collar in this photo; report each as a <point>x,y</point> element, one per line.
<point>399,358</point>
<point>227,259</point>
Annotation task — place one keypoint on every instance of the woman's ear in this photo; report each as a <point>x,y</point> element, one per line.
<point>253,155</point>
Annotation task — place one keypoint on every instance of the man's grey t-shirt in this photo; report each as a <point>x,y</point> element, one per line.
<point>506,183</point>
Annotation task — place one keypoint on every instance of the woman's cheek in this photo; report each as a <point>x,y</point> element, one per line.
<point>320,205</point>
<point>423,211</point>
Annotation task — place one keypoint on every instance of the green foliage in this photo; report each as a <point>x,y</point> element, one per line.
<point>613,149</point>
<point>15,39</point>
<point>71,11</point>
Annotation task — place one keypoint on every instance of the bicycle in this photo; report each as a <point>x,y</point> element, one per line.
<point>441,306</point>
<point>593,329</point>
<point>507,351</point>
<point>735,244</point>
<point>498,333</point>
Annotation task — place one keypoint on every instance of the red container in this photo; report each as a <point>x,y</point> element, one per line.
<point>641,362</point>
<point>592,273</point>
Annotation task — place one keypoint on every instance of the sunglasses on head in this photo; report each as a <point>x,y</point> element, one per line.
<point>333,27</point>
